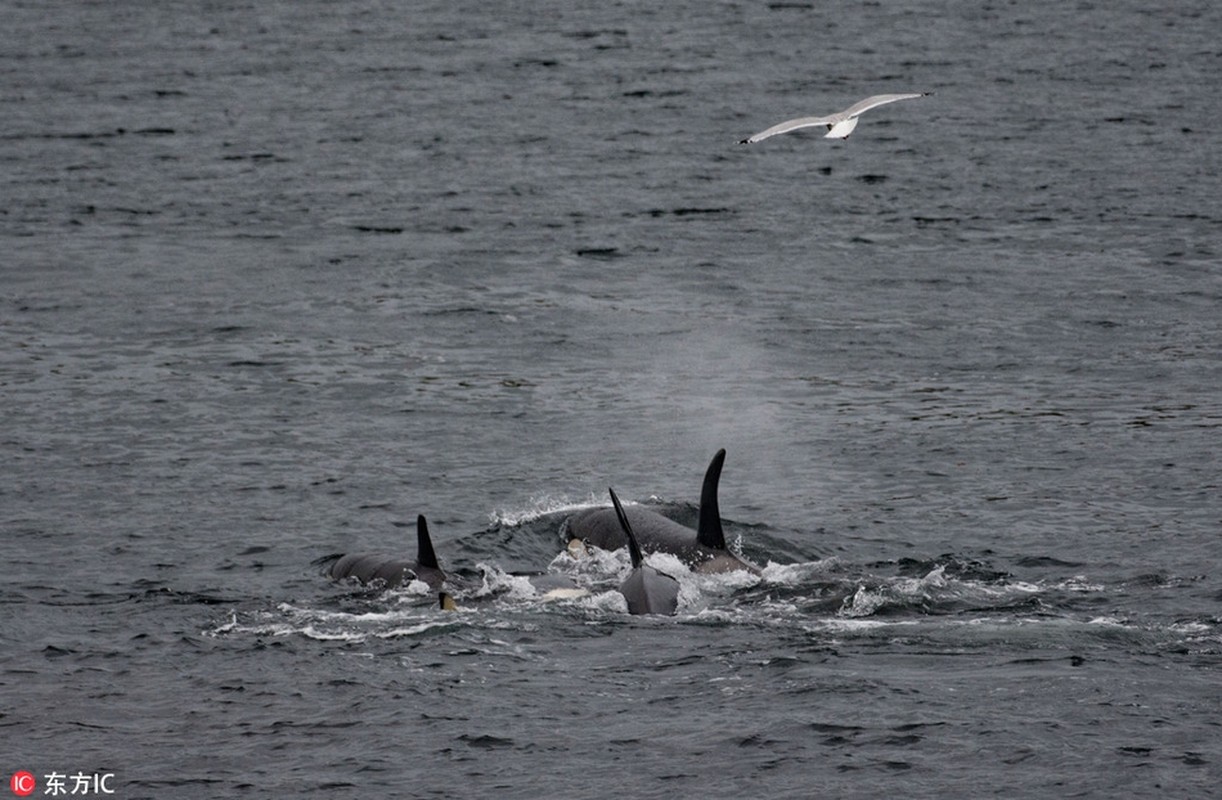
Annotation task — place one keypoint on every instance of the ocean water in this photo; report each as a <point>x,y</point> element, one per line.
<point>277,277</point>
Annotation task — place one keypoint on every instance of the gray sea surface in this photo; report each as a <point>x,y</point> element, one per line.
<point>277,277</point>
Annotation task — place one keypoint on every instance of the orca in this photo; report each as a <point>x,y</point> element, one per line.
<point>647,590</point>
<point>392,572</point>
<point>703,550</point>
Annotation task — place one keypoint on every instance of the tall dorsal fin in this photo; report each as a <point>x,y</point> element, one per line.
<point>634,549</point>
<point>425,556</point>
<point>708,523</point>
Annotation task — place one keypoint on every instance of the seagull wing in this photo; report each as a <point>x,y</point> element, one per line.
<point>876,101</point>
<point>791,125</point>
<point>854,110</point>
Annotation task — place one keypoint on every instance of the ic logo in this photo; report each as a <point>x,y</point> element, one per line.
<point>22,783</point>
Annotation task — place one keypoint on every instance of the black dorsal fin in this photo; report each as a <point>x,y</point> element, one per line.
<point>708,523</point>
<point>425,556</point>
<point>634,549</point>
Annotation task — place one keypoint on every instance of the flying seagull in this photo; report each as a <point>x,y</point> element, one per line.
<point>839,125</point>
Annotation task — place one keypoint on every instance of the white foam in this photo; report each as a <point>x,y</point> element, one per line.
<point>863,603</point>
<point>797,574</point>
<point>541,507</point>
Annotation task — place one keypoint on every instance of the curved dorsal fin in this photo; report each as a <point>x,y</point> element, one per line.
<point>425,556</point>
<point>708,523</point>
<point>634,549</point>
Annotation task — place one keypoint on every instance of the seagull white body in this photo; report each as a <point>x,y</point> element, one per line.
<point>839,125</point>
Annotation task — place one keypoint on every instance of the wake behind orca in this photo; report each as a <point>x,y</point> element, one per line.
<point>703,550</point>
<point>390,571</point>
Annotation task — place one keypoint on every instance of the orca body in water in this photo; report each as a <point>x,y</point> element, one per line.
<point>390,571</point>
<point>647,590</point>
